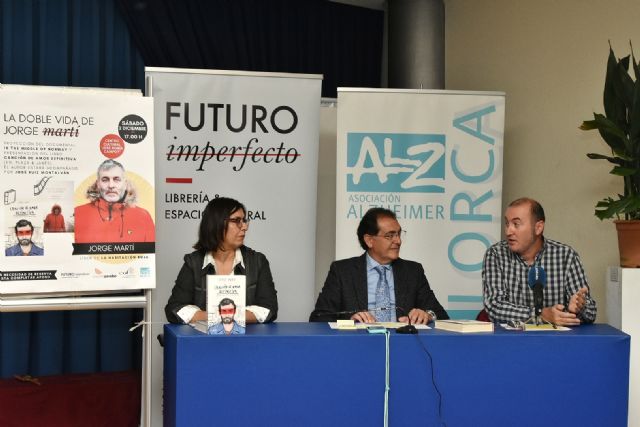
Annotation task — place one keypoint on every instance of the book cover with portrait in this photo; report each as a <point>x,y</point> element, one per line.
<point>226,304</point>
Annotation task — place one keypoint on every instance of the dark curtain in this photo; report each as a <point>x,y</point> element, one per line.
<point>342,42</point>
<point>68,43</point>
<point>88,43</point>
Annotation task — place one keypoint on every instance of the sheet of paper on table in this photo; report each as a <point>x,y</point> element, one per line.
<point>359,325</point>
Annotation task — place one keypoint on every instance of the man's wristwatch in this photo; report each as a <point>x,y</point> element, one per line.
<point>432,314</point>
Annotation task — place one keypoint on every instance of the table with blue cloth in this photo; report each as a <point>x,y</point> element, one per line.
<point>306,374</point>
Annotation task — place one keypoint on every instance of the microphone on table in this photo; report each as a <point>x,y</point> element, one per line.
<point>537,282</point>
<point>408,328</point>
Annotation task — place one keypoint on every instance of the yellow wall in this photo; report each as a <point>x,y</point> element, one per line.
<point>550,59</point>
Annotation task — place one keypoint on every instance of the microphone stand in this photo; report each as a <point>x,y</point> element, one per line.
<point>538,299</point>
<point>537,320</point>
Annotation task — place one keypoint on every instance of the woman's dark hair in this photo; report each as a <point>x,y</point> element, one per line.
<point>213,224</point>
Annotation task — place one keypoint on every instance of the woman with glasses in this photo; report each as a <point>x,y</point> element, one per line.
<point>220,249</point>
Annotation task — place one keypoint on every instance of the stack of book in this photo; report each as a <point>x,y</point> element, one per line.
<point>464,325</point>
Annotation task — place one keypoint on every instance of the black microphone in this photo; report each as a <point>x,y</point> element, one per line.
<point>537,282</point>
<point>408,328</point>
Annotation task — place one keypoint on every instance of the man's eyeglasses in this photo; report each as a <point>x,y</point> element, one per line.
<point>227,310</point>
<point>239,222</point>
<point>393,234</point>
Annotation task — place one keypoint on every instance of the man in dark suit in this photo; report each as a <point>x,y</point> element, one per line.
<point>378,285</point>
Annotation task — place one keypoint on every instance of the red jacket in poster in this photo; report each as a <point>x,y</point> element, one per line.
<point>100,221</point>
<point>54,222</point>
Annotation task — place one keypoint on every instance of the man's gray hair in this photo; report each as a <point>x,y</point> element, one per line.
<point>109,164</point>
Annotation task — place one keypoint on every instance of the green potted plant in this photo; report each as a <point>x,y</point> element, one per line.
<point>619,128</point>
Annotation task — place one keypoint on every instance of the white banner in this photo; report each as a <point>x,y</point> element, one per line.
<point>435,159</point>
<point>53,142</point>
<point>249,136</point>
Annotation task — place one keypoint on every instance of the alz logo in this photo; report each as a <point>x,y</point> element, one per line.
<point>395,162</point>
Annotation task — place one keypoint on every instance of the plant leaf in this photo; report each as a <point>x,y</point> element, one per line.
<point>629,206</point>
<point>623,156</point>
<point>634,115</point>
<point>622,171</point>
<point>623,85</point>
<point>613,106</point>
<point>611,133</point>
<point>619,128</point>
<point>588,125</point>
<point>614,160</point>
<point>634,205</point>
<point>636,66</point>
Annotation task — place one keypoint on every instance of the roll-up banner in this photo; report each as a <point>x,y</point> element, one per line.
<point>78,206</point>
<point>435,159</point>
<point>249,136</point>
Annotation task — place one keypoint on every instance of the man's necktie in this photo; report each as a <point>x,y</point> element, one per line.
<point>384,311</point>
